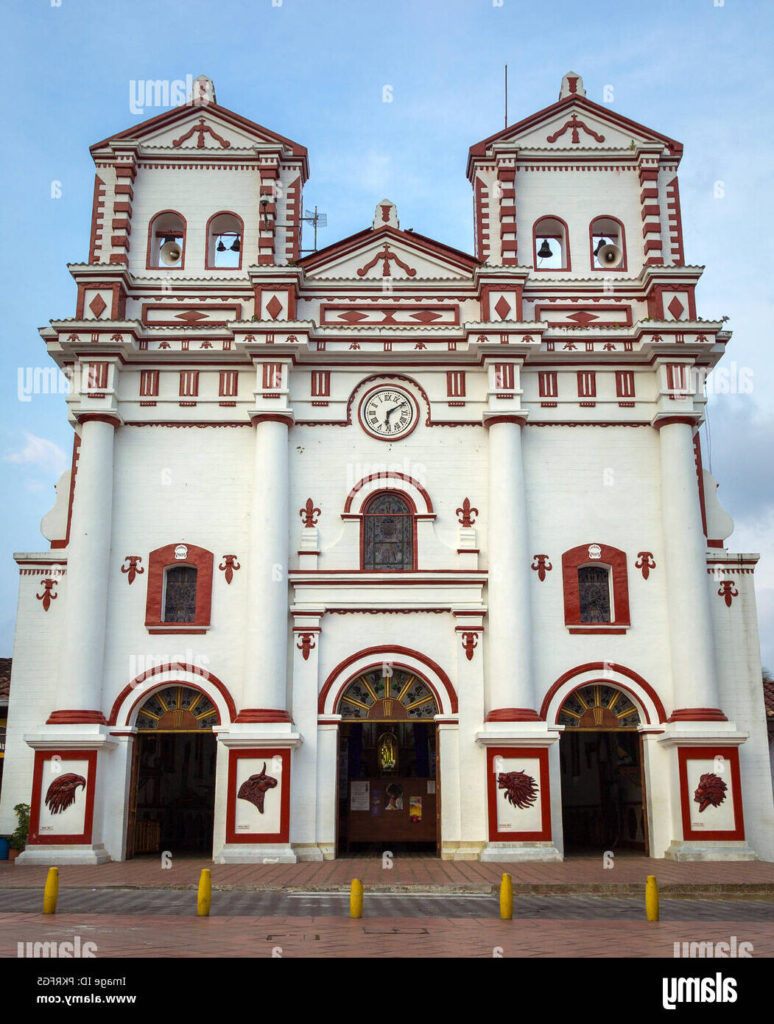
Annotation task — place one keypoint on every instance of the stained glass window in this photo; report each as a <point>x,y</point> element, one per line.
<point>599,707</point>
<point>380,697</point>
<point>180,594</point>
<point>594,591</point>
<point>177,708</point>
<point>388,533</point>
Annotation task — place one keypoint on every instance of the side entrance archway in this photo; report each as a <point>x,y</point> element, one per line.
<point>388,795</point>
<point>603,789</point>
<point>172,793</point>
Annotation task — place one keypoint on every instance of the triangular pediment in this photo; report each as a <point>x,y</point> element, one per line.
<point>387,253</point>
<point>575,123</point>
<point>201,127</point>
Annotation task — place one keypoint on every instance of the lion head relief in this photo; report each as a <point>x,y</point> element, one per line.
<point>711,791</point>
<point>254,789</point>
<point>61,792</point>
<point>520,789</point>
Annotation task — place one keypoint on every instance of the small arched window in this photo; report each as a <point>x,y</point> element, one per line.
<point>180,593</point>
<point>551,242</point>
<point>224,241</point>
<point>594,593</point>
<point>596,589</point>
<point>388,533</point>
<point>604,234</point>
<point>166,241</point>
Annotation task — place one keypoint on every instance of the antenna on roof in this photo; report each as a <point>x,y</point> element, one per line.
<point>506,95</point>
<point>317,220</point>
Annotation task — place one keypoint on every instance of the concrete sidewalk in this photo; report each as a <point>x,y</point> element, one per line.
<point>412,874</point>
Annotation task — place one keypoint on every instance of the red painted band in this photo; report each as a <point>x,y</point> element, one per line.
<point>697,715</point>
<point>262,715</point>
<point>70,717</point>
<point>513,715</point>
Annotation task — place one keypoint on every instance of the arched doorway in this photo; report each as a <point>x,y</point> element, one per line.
<point>603,793</point>
<point>172,796</point>
<point>388,795</point>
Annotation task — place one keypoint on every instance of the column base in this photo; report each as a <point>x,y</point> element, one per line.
<point>504,853</point>
<point>258,853</point>
<point>464,851</point>
<point>708,851</point>
<point>56,856</point>
<point>308,852</point>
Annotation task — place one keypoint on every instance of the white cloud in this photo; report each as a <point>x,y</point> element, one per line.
<point>40,454</point>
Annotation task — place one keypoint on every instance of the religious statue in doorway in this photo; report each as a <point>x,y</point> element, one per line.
<point>387,752</point>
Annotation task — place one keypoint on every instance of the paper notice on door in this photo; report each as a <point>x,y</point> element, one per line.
<point>359,796</point>
<point>415,808</point>
<point>431,785</point>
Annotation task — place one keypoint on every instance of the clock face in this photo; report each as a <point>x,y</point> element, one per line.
<point>388,413</point>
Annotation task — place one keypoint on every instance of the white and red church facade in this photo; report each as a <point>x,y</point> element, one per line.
<point>387,543</point>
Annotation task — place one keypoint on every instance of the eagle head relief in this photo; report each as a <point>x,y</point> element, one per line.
<point>711,791</point>
<point>520,789</point>
<point>254,789</point>
<point>61,792</point>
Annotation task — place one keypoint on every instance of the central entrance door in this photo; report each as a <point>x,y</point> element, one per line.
<point>603,795</point>
<point>389,796</point>
<point>172,797</point>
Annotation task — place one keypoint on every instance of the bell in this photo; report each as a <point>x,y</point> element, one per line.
<point>167,239</point>
<point>600,243</point>
<point>544,251</point>
<point>220,246</point>
<point>235,247</point>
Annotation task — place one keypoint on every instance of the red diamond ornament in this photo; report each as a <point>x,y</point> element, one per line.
<point>502,307</point>
<point>274,307</point>
<point>98,306</point>
<point>582,317</point>
<point>676,308</point>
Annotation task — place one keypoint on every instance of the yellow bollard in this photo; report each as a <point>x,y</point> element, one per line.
<point>51,891</point>
<point>205,894</point>
<point>506,898</point>
<point>356,898</point>
<point>651,899</point>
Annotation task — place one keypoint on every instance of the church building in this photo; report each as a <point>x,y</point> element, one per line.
<point>385,545</point>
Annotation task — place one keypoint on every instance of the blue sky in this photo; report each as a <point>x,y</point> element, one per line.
<point>315,70</point>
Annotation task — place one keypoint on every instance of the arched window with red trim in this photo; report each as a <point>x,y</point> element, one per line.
<point>389,533</point>
<point>596,589</point>
<point>179,589</point>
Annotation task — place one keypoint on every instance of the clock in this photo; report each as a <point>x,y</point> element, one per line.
<point>388,413</point>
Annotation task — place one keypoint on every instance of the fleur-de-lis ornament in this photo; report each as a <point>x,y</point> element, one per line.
<point>467,514</point>
<point>228,566</point>
<point>309,513</point>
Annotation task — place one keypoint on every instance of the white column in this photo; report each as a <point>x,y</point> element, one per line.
<point>510,690</point>
<point>266,656</point>
<point>88,569</point>
<point>307,634</point>
<point>327,776</point>
<point>685,550</point>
